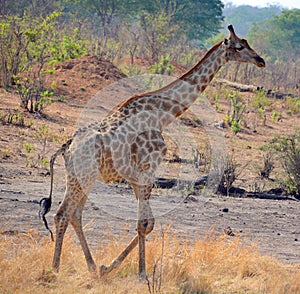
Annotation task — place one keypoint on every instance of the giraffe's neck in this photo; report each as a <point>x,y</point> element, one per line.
<point>204,71</point>
<point>172,100</point>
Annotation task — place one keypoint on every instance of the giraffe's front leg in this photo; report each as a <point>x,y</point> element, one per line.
<point>145,225</point>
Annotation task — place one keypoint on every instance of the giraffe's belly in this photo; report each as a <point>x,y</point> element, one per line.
<point>109,177</point>
<point>108,172</point>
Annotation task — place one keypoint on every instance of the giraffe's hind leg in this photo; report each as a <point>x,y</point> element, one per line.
<point>61,223</point>
<point>70,210</point>
<point>76,222</point>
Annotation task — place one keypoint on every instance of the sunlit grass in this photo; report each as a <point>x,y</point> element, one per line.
<point>214,264</point>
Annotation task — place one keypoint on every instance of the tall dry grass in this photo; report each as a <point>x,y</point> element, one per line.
<point>214,264</point>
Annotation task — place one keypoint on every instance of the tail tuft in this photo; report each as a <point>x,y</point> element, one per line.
<point>45,205</point>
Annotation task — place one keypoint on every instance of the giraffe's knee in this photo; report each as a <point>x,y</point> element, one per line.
<point>150,225</point>
<point>145,226</point>
<point>142,226</point>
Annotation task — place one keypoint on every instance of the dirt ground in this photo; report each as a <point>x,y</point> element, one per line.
<point>270,222</point>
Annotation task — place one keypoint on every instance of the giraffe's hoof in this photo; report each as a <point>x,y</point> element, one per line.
<point>92,268</point>
<point>143,276</point>
<point>103,270</point>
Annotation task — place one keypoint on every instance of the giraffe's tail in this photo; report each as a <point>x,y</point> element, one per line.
<point>45,203</point>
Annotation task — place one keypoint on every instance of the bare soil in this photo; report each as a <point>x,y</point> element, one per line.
<point>270,222</point>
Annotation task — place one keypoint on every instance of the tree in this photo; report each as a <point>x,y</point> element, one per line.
<point>285,33</point>
<point>244,16</point>
<point>107,11</point>
<point>200,19</point>
<point>32,7</point>
<point>279,36</point>
<point>197,19</point>
<point>157,33</point>
<point>27,44</point>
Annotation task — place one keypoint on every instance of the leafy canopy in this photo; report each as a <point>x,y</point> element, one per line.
<point>278,37</point>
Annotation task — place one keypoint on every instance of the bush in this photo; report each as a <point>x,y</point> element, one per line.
<point>27,45</point>
<point>288,148</point>
<point>234,118</point>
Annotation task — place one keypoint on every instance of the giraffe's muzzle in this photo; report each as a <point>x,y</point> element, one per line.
<point>259,61</point>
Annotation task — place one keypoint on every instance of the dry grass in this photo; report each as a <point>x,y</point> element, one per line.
<point>215,264</point>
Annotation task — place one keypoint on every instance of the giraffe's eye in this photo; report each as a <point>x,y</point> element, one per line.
<point>239,48</point>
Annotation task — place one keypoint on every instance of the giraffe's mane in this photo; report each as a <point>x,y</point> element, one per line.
<point>126,102</point>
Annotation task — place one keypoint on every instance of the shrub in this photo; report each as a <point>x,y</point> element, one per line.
<point>260,100</point>
<point>293,105</point>
<point>288,148</point>
<point>276,116</point>
<point>268,165</point>
<point>234,118</point>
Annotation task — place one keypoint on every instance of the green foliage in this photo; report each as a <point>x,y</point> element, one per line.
<point>44,162</point>
<point>215,39</point>
<point>53,85</point>
<point>32,94</point>
<point>34,8</point>
<point>60,98</point>
<point>29,148</point>
<point>28,43</point>
<point>235,126</point>
<point>287,30</point>
<point>278,37</point>
<point>216,102</point>
<point>237,109</point>
<point>24,54</point>
<point>196,19</point>
<point>44,100</point>
<point>131,70</point>
<point>106,10</point>
<point>243,16</point>
<point>261,100</point>
<point>293,105</point>
<point>162,67</point>
<point>262,114</point>
<point>288,148</point>
<point>43,134</point>
<point>276,116</point>
<point>200,19</point>
<point>261,111</point>
<point>157,31</point>
<point>277,40</point>
<point>67,47</point>
<point>189,58</point>
<point>12,117</point>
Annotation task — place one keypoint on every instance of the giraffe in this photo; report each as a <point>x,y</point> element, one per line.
<point>128,144</point>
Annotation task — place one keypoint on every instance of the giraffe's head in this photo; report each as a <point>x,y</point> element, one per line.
<point>239,50</point>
